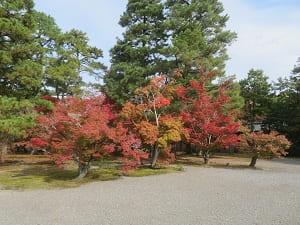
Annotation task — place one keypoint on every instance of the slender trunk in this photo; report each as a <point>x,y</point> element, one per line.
<point>253,161</point>
<point>3,150</point>
<point>206,157</point>
<point>151,153</point>
<point>155,155</point>
<point>83,169</point>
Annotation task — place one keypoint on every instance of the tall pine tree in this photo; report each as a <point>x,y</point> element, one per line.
<point>164,37</point>
<point>31,44</point>
<point>199,37</point>
<point>73,57</point>
<point>138,55</point>
<point>20,67</point>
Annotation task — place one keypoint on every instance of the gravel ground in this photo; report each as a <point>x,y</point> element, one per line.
<point>198,196</point>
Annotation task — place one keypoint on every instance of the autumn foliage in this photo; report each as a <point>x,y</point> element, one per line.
<point>259,143</point>
<point>150,121</point>
<point>84,129</point>
<point>210,128</point>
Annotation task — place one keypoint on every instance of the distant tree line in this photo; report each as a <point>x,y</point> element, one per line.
<point>275,106</point>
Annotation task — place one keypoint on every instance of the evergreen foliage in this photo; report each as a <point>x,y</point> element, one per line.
<point>284,115</point>
<point>256,92</point>
<point>137,56</point>
<point>164,37</point>
<point>36,58</point>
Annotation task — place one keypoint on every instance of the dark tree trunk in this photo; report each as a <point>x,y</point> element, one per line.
<point>83,169</point>
<point>152,150</point>
<point>253,161</point>
<point>155,155</point>
<point>206,157</point>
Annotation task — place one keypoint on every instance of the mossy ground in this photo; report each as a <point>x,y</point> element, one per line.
<point>21,172</point>
<point>38,172</point>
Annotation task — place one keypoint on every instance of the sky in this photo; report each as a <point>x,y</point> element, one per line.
<point>268,30</point>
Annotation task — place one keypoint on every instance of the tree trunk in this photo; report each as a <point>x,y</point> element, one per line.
<point>155,155</point>
<point>83,169</point>
<point>206,157</point>
<point>253,161</point>
<point>152,150</point>
<point>3,150</point>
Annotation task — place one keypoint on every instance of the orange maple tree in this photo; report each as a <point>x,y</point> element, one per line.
<point>259,143</point>
<point>148,118</point>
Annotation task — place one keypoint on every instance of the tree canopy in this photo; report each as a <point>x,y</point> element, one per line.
<point>37,58</point>
<point>162,37</point>
<point>256,92</point>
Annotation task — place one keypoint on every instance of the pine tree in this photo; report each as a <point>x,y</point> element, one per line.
<point>73,57</point>
<point>284,115</point>
<point>162,38</point>
<point>256,92</point>
<point>138,55</point>
<point>15,117</point>
<point>198,36</point>
<point>30,45</point>
<point>20,68</point>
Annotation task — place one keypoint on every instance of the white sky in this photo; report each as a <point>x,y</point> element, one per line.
<point>268,30</point>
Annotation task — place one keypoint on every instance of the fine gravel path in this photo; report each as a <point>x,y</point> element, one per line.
<point>198,196</point>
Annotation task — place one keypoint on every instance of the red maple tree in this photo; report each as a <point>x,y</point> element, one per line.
<point>83,129</point>
<point>210,128</point>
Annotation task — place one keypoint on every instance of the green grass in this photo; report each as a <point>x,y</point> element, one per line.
<point>21,172</point>
<point>37,178</point>
<point>37,172</point>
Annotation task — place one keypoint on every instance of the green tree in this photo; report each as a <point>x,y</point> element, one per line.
<point>73,57</point>
<point>30,45</point>
<point>137,56</point>
<point>163,38</point>
<point>15,117</point>
<point>198,36</point>
<point>233,90</point>
<point>284,115</point>
<point>20,68</point>
<point>256,92</point>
